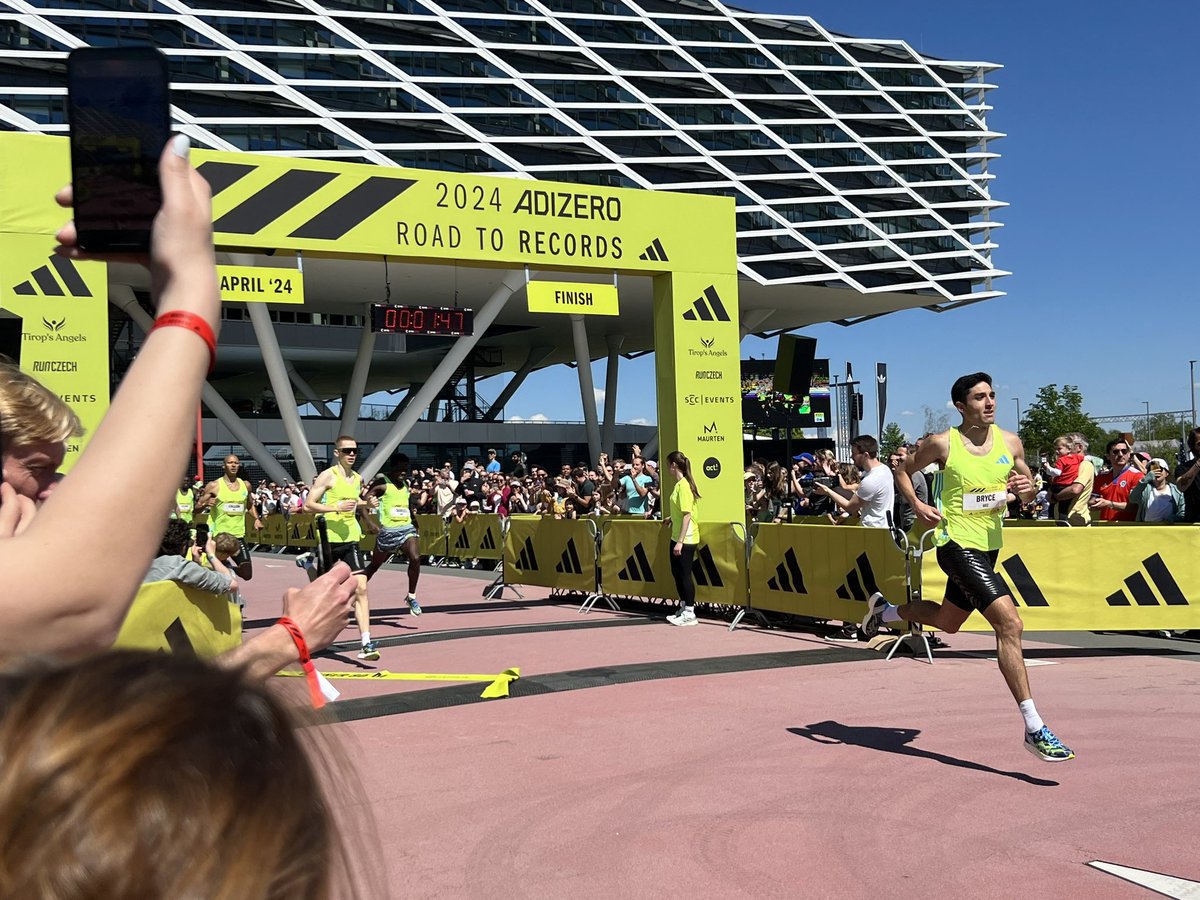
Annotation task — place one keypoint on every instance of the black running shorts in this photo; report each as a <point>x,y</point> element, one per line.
<point>972,582</point>
<point>350,554</point>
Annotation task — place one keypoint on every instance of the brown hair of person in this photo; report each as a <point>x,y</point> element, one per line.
<point>684,465</point>
<point>135,775</point>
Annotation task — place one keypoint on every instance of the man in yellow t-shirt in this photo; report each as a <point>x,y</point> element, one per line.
<point>337,495</point>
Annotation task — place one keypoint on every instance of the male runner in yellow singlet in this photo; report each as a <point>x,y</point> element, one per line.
<point>399,532</point>
<point>337,495</point>
<point>980,464</point>
<point>226,501</point>
<point>185,501</point>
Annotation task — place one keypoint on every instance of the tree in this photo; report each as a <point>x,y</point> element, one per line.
<point>1056,413</point>
<point>892,437</point>
<point>936,420</point>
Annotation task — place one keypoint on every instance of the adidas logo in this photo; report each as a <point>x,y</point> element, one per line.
<point>704,569</point>
<point>306,537</point>
<point>569,565</point>
<point>1003,460</point>
<point>637,566</point>
<point>41,281</point>
<point>489,541</point>
<point>527,559</point>
<point>463,542</point>
<point>788,576</point>
<point>1018,573</point>
<point>655,252</point>
<point>860,581</point>
<point>708,308</point>
<point>1139,589</point>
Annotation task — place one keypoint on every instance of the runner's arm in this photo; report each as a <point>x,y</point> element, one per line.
<point>935,449</point>
<point>313,504</point>
<point>1185,479</point>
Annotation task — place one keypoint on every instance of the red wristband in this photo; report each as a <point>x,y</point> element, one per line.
<point>310,673</point>
<point>193,323</point>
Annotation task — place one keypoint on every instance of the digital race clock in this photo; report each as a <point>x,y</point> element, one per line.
<point>439,320</point>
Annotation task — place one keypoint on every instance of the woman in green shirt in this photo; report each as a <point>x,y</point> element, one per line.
<point>685,535</point>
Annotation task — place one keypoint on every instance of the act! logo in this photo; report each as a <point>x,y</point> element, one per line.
<point>712,467</point>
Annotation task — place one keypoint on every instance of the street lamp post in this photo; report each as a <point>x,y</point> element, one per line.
<point>1146,403</point>
<point>1017,400</point>
<point>1192,388</point>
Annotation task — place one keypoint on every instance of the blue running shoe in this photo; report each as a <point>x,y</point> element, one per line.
<point>1044,745</point>
<point>413,606</point>
<point>369,651</point>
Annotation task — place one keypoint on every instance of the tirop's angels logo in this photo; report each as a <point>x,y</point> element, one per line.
<point>55,325</point>
<point>708,342</point>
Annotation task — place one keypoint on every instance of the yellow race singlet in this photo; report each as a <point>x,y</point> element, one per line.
<point>228,514</point>
<point>974,492</point>
<point>343,526</point>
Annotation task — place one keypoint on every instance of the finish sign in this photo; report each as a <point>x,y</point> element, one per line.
<point>568,297</point>
<point>256,284</point>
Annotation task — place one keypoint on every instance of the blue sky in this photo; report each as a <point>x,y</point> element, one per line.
<point>1098,105</point>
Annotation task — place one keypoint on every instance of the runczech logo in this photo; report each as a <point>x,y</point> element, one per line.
<point>1023,581</point>
<point>489,540</point>
<point>704,569</point>
<point>637,566</point>
<point>655,252</point>
<point>1139,589</point>
<point>788,577</point>
<point>712,467</point>
<point>42,282</point>
<point>54,324</point>
<point>860,581</point>
<point>569,565</point>
<point>527,559</point>
<point>463,542</point>
<point>708,308</point>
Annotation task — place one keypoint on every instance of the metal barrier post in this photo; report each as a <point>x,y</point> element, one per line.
<point>590,600</point>
<point>496,588</point>
<point>748,542</point>
<point>912,554</point>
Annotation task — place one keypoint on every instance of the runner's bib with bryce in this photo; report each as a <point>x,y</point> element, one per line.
<point>343,526</point>
<point>974,492</point>
<point>228,514</point>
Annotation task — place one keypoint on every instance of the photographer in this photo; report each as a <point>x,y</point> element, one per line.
<point>806,474</point>
<point>581,494</point>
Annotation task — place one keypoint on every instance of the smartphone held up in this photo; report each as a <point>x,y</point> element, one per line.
<point>118,106</point>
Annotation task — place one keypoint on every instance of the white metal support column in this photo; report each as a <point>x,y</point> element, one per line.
<point>437,380</point>
<point>281,385</point>
<point>306,389</point>
<point>536,355</point>
<point>587,388</point>
<point>614,342</point>
<point>121,296</point>
<point>268,344</point>
<point>358,377</point>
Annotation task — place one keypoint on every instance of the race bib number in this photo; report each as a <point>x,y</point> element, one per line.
<point>976,502</point>
<point>234,509</point>
<point>399,512</point>
<point>185,507</point>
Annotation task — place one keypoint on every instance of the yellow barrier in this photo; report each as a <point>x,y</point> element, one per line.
<point>431,532</point>
<point>549,552</point>
<point>824,571</point>
<point>635,560</point>
<point>167,616</point>
<point>1095,579</point>
<point>476,538</point>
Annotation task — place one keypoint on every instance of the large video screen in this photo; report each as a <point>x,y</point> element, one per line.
<point>762,406</point>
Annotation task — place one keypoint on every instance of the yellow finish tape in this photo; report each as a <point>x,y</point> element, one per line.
<point>497,688</point>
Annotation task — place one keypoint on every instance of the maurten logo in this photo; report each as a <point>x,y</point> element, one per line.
<point>708,308</point>
<point>54,324</point>
<point>637,566</point>
<point>704,569</point>
<point>1140,590</point>
<point>655,252</point>
<point>527,559</point>
<point>788,577</point>
<point>569,565</point>
<point>41,281</point>
<point>860,581</point>
<point>711,429</point>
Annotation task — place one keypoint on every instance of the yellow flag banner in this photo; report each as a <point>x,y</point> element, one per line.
<point>824,571</point>
<point>172,618</point>
<point>549,552</point>
<point>497,688</point>
<point>1094,579</point>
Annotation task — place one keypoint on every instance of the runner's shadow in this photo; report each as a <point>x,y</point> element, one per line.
<point>899,740</point>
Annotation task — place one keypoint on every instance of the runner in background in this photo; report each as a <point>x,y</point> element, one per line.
<point>337,495</point>
<point>185,501</point>
<point>399,528</point>
<point>226,501</point>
